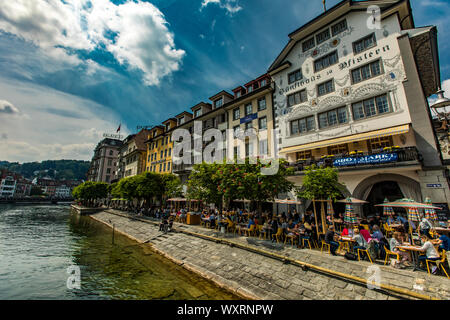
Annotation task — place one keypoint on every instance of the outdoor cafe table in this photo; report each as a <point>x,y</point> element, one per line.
<point>414,253</point>
<point>446,230</point>
<point>348,239</point>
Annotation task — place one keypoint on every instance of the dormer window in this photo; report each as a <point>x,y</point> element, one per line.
<point>181,120</point>
<point>249,89</point>
<point>308,44</point>
<point>263,82</point>
<point>197,113</point>
<point>218,103</point>
<point>323,36</point>
<point>238,94</point>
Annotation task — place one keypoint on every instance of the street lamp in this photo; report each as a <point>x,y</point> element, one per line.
<point>442,105</point>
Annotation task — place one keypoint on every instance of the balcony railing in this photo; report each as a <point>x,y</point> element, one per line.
<point>357,160</point>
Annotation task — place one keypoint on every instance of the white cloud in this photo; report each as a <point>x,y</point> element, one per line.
<point>7,108</point>
<point>135,33</point>
<point>232,6</point>
<point>59,125</point>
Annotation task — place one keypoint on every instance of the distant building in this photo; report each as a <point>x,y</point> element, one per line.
<point>13,185</point>
<point>104,162</point>
<point>132,155</point>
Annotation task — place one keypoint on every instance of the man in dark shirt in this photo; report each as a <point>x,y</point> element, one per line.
<point>329,238</point>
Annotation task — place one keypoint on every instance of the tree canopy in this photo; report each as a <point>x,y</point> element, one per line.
<point>320,183</point>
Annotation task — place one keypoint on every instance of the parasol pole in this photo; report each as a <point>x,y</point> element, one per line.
<point>322,216</point>
<point>315,217</point>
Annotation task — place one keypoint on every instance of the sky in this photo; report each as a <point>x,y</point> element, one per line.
<point>71,70</point>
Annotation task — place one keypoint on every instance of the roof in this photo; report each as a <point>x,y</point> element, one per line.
<point>168,120</point>
<point>201,104</point>
<point>388,7</point>
<point>183,113</point>
<point>221,93</point>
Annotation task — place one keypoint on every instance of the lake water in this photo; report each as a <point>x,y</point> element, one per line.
<point>39,243</point>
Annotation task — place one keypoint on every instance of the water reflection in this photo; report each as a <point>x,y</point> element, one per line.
<point>37,244</point>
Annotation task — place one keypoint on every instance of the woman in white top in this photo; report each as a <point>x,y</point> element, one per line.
<point>429,249</point>
<point>394,243</point>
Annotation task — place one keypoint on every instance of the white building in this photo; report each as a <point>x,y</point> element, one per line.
<point>351,92</point>
<point>7,187</point>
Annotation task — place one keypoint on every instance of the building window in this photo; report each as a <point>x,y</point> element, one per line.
<point>162,152</point>
<point>160,167</point>
<point>198,113</point>
<point>236,152</point>
<point>236,130</point>
<point>339,27</point>
<point>303,125</point>
<point>304,155</point>
<point>164,167</point>
<point>364,44</point>
<point>263,82</point>
<point>333,117</point>
<point>262,104</point>
<point>218,103</point>
<point>170,152</point>
<point>249,125</point>
<point>325,88</point>
<point>236,114</point>
<point>248,109</point>
<point>249,89</point>
<point>263,148</point>
<point>326,61</point>
<point>295,76</point>
<point>308,44</point>
<point>181,120</point>
<point>323,36</point>
<point>367,71</point>
<point>297,98</point>
<point>165,153</point>
<point>371,107</point>
<point>168,166</point>
<point>107,178</point>
<point>110,162</point>
<point>338,149</point>
<point>262,123</point>
<point>380,143</point>
<point>108,170</point>
<point>238,94</point>
<point>111,152</point>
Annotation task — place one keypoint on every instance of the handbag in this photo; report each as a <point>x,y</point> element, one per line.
<point>350,256</point>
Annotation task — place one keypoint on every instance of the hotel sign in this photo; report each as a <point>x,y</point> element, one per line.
<point>249,118</point>
<point>372,159</point>
<point>112,136</point>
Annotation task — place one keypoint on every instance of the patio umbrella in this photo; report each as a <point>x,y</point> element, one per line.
<point>330,211</point>
<point>349,215</point>
<point>388,211</point>
<point>287,201</point>
<point>429,212</point>
<point>406,203</point>
<point>352,200</point>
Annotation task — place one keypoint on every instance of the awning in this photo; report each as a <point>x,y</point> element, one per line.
<point>347,139</point>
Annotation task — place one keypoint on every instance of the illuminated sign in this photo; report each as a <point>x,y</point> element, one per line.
<point>372,159</point>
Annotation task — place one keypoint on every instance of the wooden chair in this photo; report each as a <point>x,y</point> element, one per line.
<point>290,236</point>
<point>231,226</point>
<point>250,231</point>
<point>326,245</point>
<point>278,235</point>
<point>309,243</point>
<point>389,253</point>
<point>439,263</point>
<point>366,252</point>
<point>343,245</point>
<point>365,226</point>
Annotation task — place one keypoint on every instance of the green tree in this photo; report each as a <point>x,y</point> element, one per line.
<point>320,184</point>
<point>204,184</point>
<point>90,191</point>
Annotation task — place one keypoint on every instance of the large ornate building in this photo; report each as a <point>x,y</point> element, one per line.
<point>104,164</point>
<point>351,92</point>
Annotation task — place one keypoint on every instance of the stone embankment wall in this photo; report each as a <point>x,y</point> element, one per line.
<point>229,263</point>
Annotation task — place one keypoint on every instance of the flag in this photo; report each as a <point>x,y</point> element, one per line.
<point>118,129</point>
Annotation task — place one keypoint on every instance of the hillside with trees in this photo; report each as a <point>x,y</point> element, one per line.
<point>56,169</point>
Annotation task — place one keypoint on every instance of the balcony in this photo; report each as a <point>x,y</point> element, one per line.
<point>388,157</point>
<point>180,168</point>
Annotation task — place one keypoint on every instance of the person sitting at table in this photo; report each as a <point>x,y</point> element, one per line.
<point>377,234</point>
<point>425,226</point>
<point>396,241</point>
<point>365,233</point>
<point>390,220</point>
<point>330,238</point>
<point>274,228</point>
<point>359,239</point>
<point>443,241</point>
<point>251,222</point>
<point>212,220</point>
<point>284,225</point>
<point>429,249</point>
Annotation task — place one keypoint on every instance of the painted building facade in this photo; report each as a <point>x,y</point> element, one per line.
<point>353,95</point>
<point>104,163</point>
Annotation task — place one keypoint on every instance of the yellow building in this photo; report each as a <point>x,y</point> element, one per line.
<point>160,147</point>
